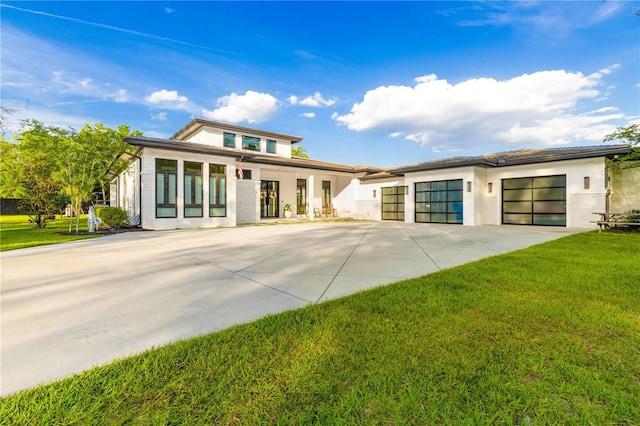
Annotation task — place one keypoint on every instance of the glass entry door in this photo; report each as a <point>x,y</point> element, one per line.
<point>269,198</point>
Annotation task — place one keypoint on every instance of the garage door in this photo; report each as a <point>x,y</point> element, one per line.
<point>540,200</point>
<point>393,203</point>
<point>439,201</point>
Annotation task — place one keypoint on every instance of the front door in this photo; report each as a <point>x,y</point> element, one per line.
<point>269,196</point>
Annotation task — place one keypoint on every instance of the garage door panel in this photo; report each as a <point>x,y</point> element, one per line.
<point>439,201</point>
<point>539,200</point>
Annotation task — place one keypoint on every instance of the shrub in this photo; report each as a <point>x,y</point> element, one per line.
<point>115,217</point>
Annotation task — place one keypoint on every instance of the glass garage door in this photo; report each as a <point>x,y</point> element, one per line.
<point>393,203</point>
<point>439,201</point>
<point>535,201</point>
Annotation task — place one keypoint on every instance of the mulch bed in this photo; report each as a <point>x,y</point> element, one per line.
<point>106,231</point>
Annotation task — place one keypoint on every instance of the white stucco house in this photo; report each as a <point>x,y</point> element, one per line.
<point>213,174</point>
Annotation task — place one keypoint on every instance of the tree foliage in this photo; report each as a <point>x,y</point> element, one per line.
<point>75,162</point>
<point>629,134</point>
<point>299,151</point>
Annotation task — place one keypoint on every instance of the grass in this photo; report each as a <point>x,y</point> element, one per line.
<point>544,335</point>
<point>17,232</point>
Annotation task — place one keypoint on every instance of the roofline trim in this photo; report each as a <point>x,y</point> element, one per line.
<point>198,123</point>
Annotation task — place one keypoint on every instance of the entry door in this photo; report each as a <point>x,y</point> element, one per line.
<point>269,196</point>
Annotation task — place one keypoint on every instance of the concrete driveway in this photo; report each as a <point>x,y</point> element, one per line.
<point>68,307</point>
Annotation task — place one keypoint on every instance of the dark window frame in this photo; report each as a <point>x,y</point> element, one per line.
<point>301,196</point>
<point>217,197</point>
<point>192,189</point>
<point>165,175</point>
<point>227,142</point>
<point>250,143</point>
<point>450,188</point>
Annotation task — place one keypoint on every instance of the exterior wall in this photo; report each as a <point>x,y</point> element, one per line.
<point>625,188</point>
<point>248,201</point>
<point>368,205</point>
<point>214,137</point>
<point>149,220</point>
<point>581,202</point>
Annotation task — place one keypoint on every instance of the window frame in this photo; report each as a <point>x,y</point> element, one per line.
<point>193,189</point>
<point>225,142</point>
<point>217,181</point>
<point>246,144</point>
<point>166,193</point>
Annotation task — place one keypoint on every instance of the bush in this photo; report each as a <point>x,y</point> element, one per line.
<point>115,217</point>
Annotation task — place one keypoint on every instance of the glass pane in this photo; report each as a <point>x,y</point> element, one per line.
<point>423,217</point>
<point>423,186</point>
<point>439,217</point>
<point>516,207</point>
<point>455,184</point>
<point>172,189</point>
<point>217,212</point>
<point>454,218</point>
<point>454,196</point>
<point>160,188</point>
<point>271,146</point>
<point>422,197</point>
<point>549,219</point>
<point>549,207</point>
<point>166,212</point>
<point>198,194</point>
<point>193,212</point>
<point>516,183</point>
<point>223,191</point>
<point>439,186</point>
<point>229,140</point>
<point>548,181</point>
<point>549,194</point>
<point>439,207</point>
<point>166,165</point>
<point>388,191</point>
<point>516,219</point>
<point>219,169</point>
<point>251,143</point>
<point>516,195</point>
<point>439,196</point>
<point>188,189</point>
<point>194,168</point>
<point>388,198</point>
<point>454,207</point>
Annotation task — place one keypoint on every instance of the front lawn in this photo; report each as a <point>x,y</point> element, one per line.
<point>544,335</point>
<point>17,232</point>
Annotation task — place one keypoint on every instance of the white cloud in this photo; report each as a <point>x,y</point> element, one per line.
<point>168,10</point>
<point>161,116</point>
<point>165,96</point>
<point>252,107</point>
<point>120,96</point>
<point>312,101</point>
<point>540,108</point>
<point>308,114</point>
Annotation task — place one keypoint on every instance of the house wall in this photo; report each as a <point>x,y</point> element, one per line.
<point>214,137</point>
<point>581,202</point>
<point>625,188</point>
<point>149,221</point>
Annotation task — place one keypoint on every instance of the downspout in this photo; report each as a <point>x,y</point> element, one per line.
<point>139,187</point>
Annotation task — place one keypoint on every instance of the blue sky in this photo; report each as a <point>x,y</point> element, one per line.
<point>377,83</point>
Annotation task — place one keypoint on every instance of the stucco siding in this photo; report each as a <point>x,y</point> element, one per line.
<point>625,188</point>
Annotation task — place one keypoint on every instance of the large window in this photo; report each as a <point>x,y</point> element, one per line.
<point>393,203</point>
<point>439,201</point>
<point>271,146</point>
<point>301,196</point>
<point>192,189</point>
<point>229,140</point>
<point>166,188</point>
<point>538,200</point>
<point>250,143</point>
<point>326,194</point>
<point>217,190</point>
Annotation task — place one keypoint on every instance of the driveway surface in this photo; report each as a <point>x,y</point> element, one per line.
<point>71,306</point>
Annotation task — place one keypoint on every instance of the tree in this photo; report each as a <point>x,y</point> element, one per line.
<point>299,151</point>
<point>10,172</point>
<point>629,134</point>
<point>40,194</point>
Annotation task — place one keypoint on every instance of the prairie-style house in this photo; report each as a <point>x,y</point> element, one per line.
<point>213,174</point>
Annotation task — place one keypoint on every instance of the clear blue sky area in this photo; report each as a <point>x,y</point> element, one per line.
<point>378,83</point>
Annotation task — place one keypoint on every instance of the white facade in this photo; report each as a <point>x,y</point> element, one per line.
<point>354,192</point>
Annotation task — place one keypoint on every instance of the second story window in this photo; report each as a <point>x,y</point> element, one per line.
<point>250,143</point>
<point>229,140</point>
<point>271,146</point>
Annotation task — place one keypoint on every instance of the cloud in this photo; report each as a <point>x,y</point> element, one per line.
<point>252,107</point>
<point>308,114</point>
<point>121,95</point>
<point>164,95</point>
<point>168,10</point>
<point>312,101</point>
<point>161,116</point>
<point>541,108</point>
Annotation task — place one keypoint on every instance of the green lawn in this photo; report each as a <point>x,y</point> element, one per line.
<point>16,232</point>
<point>545,335</point>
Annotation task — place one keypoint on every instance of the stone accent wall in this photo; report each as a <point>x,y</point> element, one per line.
<point>624,182</point>
<point>247,201</point>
